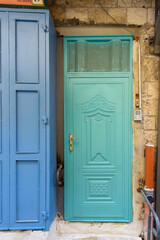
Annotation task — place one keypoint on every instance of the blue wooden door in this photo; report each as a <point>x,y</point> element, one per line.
<point>27,120</point>
<point>4,123</point>
<point>98,114</point>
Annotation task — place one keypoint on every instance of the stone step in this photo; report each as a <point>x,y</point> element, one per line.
<point>62,230</point>
<point>95,237</point>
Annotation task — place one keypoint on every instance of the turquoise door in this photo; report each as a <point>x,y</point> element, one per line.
<point>98,114</point>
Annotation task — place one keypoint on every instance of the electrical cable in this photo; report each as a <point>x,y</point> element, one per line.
<point>113,17</point>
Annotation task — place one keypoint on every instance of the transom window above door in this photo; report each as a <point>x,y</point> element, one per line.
<point>106,55</point>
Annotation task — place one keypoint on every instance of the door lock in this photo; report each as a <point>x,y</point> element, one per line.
<point>71,138</point>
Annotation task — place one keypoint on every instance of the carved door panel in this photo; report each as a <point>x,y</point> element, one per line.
<point>98,167</point>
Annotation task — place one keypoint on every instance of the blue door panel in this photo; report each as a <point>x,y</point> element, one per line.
<point>27,122</point>
<point>27,68</point>
<point>0,121</point>
<point>27,119</point>
<point>1,191</point>
<point>4,123</point>
<point>27,128</point>
<point>28,202</point>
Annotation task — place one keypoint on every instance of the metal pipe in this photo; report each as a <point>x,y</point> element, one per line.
<point>149,159</point>
<point>156,231</point>
<point>140,94</point>
<point>149,225</point>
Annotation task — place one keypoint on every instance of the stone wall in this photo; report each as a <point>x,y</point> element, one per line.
<point>89,12</point>
<point>87,17</point>
<point>80,17</point>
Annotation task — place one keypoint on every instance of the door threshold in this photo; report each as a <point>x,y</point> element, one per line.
<point>63,230</point>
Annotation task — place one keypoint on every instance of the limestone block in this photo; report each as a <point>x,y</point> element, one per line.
<point>138,142</point>
<point>79,13</point>
<point>132,229</point>
<point>151,49</point>
<point>144,42</point>
<point>151,31</point>
<point>58,13</point>
<point>38,235</point>
<point>120,15</point>
<point>83,3</point>
<point>135,52</point>
<point>96,237</point>
<point>151,15</point>
<point>150,106</point>
<point>149,123</point>
<point>89,30</point>
<point>96,15</point>
<point>68,3</point>
<point>153,3</point>
<point>107,3</point>
<point>60,2</point>
<point>153,89</point>
<point>150,68</point>
<point>146,47</point>
<point>62,230</point>
<point>50,3</point>
<point>142,3</point>
<point>151,137</point>
<point>139,210</point>
<point>23,235</point>
<point>144,90</point>
<point>124,3</point>
<point>52,235</point>
<point>136,16</point>
<point>138,156</point>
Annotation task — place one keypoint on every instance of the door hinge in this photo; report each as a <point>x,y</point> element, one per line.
<point>45,215</point>
<point>45,120</point>
<point>45,28</point>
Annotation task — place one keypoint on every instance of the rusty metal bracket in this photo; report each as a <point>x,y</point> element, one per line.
<point>141,184</point>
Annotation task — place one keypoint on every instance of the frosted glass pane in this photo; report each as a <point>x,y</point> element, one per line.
<point>98,56</point>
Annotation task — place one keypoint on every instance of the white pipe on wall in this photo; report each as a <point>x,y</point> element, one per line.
<point>140,96</point>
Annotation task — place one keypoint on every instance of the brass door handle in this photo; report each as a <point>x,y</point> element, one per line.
<point>71,138</point>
